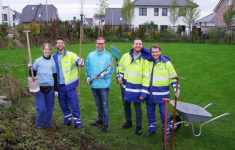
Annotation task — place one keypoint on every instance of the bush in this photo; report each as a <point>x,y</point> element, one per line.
<point>215,36</point>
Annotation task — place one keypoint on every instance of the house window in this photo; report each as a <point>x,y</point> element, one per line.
<point>5,17</point>
<point>229,2</point>
<point>156,11</point>
<point>164,11</point>
<point>163,28</point>
<point>143,11</point>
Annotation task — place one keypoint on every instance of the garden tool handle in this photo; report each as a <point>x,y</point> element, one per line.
<point>29,52</point>
<point>103,70</point>
<point>173,126</point>
<point>165,128</point>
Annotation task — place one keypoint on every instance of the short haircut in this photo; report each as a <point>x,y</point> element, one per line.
<point>60,38</point>
<point>46,44</point>
<point>137,39</point>
<point>100,38</point>
<point>155,46</point>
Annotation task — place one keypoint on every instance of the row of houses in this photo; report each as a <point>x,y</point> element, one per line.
<point>156,11</point>
<point>215,19</point>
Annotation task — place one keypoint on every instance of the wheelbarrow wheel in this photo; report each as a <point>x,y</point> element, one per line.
<point>177,119</point>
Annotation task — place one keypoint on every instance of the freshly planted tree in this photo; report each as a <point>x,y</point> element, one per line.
<point>174,12</point>
<point>229,17</point>
<point>100,13</point>
<point>127,11</point>
<point>191,13</point>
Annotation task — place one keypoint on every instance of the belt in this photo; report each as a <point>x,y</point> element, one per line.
<point>62,84</point>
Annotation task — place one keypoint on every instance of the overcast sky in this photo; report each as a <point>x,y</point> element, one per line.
<point>67,9</point>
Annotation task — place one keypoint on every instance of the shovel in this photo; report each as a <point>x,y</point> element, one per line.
<point>116,53</point>
<point>32,81</point>
<point>102,71</point>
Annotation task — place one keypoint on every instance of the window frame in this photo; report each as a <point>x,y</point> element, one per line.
<point>142,11</point>
<point>156,11</point>
<point>228,2</point>
<point>166,12</point>
<point>5,17</point>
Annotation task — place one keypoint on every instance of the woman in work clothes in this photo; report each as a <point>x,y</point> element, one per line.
<point>45,70</point>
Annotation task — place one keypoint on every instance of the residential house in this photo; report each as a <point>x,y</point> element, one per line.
<point>8,16</point>
<point>206,23</point>
<point>39,13</point>
<point>220,9</point>
<point>0,12</point>
<point>113,17</point>
<point>97,21</point>
<point>16,18</point>
<point>88,21</point>
<point>158,12</point>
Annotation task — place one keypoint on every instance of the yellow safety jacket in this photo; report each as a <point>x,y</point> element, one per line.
<point>162,72</point>
<point>132,73</point>
<point>69,67</point>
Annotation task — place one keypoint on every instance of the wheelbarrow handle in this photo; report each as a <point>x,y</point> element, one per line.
<point>211,104</point>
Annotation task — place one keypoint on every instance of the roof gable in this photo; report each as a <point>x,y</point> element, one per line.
<point>112,17</point>
<point>37,13</point>
<point>216,7</point>
<point>158,2</point>
<point>209,18</point>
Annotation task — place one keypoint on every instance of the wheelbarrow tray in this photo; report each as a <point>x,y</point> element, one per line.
<point>191,112</point>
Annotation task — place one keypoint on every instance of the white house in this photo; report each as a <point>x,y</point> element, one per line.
<point>0,12</point>
<point>156,11</point>
<point>8,16</point>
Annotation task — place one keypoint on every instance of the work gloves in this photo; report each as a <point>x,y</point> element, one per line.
<point>88,81</point>
<point>177,93</point>
<point>80,62</point>
<point>30,65</point>
<point>56,94</point>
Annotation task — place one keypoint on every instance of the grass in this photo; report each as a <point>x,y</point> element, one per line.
<point>209,71</point>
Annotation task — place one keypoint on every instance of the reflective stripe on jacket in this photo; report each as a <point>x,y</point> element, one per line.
<point>69,68</point>
<point>162,73</point>
<point>132,72</point>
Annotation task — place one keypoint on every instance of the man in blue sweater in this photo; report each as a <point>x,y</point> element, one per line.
<point>96,62</point>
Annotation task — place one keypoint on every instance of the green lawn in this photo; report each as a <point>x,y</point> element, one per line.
<point>209,72</point>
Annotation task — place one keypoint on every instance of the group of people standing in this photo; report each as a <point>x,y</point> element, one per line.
<point>145,76</point>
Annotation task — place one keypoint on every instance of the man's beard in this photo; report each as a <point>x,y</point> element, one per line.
<point>60,49</point>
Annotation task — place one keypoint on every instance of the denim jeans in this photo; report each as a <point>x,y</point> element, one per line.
<point>138,112</point>
<point>101,101</point>
<point>44,103</point>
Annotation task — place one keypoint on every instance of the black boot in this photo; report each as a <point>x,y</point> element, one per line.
<point>126,125</point>
<point>138,131</point>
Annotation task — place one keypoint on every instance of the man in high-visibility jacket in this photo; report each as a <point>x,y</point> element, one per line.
<point>131,75</point>
<point>162,73</point>
<point>67,78</point>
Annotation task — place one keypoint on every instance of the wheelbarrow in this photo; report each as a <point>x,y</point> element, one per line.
<point>192,113</point>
